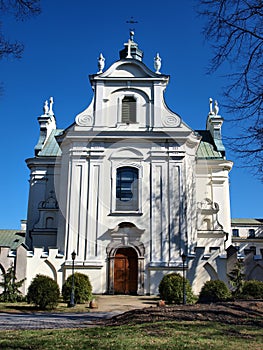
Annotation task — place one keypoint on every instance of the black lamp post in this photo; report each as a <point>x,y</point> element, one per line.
<point>72,295</point>
<point>183,256</point>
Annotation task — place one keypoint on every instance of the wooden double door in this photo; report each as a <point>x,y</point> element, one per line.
<point>126,271</point>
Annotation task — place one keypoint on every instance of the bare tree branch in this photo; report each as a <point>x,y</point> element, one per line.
<point>10,49</point>
<point>234,29</point>
<point>21,10</point>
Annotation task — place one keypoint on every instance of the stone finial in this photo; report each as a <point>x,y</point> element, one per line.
<point>157,63</point>
<point>131,35</point>
<point>45,108</point>
<point>51,102</point>
<point>101,63</point>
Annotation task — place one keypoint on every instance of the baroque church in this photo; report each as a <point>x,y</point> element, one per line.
<point>129,187</point>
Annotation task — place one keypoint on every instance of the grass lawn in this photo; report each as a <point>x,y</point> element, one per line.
<point>158,335</point>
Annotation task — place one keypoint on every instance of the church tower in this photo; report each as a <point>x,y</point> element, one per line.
<point>129,187</point>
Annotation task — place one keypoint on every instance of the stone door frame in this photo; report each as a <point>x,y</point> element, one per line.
<point>125,236</point>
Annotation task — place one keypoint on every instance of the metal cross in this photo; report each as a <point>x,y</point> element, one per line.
<point>132,21</point>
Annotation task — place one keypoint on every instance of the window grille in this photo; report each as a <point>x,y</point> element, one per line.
<point>128,110</point>
<point>235,232</point>
<point>251,233</point>
<point>127,189</point>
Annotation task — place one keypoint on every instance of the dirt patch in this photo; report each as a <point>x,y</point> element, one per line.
<point>238,312</point>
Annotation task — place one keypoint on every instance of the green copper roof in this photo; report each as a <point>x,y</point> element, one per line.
<point>11,238</point>
<point>51,148</point>
<point>207,148</point>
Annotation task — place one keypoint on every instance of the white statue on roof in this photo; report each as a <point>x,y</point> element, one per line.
<point>157,63</point>
<point>210,105</point>
<point>45,108</point>
<point>51,102</point>
<point>215,110</point>
<point>101,63</point>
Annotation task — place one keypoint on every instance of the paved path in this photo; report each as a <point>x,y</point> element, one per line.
<point>52,321</point>
<point>108,306</point>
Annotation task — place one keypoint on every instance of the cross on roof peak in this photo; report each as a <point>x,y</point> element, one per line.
<point>132,21</point>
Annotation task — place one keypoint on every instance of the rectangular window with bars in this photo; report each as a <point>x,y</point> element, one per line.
<point>127,189</point>
<point>128,110</point>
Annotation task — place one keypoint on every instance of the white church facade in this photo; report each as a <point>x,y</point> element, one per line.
<point>128,187</point>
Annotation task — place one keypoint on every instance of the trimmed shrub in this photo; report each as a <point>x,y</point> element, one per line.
<point>252,289</point>
<point>171,289</point>
<point>43,292</point>
<point>214,291</point>
<point>82,288</point>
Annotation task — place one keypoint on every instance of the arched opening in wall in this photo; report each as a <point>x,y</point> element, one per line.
<point>207,224</point>
<point>125,271</point>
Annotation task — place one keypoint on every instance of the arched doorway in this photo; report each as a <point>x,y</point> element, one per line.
<point>125,271</point>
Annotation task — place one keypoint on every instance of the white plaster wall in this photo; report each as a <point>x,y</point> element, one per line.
<point>88,200</point>
<point>39,262</point>
<point>41,185</point>
<point>212,182</point>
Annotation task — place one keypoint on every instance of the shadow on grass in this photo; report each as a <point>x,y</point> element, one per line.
<point>31,309</point>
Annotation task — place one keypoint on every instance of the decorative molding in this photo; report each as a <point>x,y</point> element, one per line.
<point>171,121</point>
<point>209,218</point>
<point>84,120</point>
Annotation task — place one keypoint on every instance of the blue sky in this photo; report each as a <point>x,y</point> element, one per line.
<point>61,49</point>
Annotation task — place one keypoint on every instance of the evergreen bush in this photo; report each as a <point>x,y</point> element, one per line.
<point>214,291</point>
<point>82,288</point>
<point>171,289</point>
<point>43,292</point>
<point>252,289</point>
<point>11,292</point>
<point>237,278</point>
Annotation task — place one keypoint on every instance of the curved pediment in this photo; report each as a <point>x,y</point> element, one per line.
<point>129,69</point>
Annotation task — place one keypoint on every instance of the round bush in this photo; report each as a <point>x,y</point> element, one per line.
<point>171,289</point>
<point>214,291</point>
<point>43,292</point>
<point>82,288</point>
<point>252,289</point>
